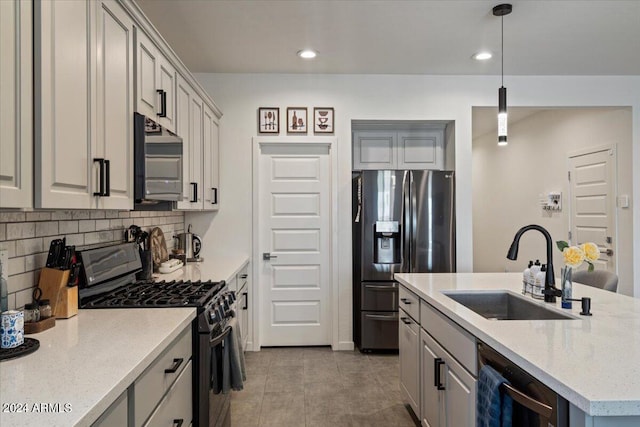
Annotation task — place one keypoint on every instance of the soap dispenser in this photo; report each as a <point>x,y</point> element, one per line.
<point>526,279</point>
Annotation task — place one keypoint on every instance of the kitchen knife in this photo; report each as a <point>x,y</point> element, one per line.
<point>54,253</point>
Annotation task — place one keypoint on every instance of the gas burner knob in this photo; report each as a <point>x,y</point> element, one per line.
<point>232,296</point>
<point>212,316</point>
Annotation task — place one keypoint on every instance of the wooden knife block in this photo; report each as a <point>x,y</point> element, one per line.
<point>63,299</point>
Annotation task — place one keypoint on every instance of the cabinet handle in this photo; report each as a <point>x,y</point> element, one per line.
<point>246,300</point>
<point>194,185</point>
<point>437,362</point>
<point>178,422</point>
<point>101,191</point>
<point>174,368</point>
<point>214,199</point>
<point>107,178</point>
<point>406,301</point>
<point>244,276</point>
<point>163,103</point>
<point>405,320</point>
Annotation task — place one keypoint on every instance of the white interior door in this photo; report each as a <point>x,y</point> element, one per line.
<point>294,228</point>
<point>592,184</point>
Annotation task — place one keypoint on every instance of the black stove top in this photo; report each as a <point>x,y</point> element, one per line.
<point>157,294</point>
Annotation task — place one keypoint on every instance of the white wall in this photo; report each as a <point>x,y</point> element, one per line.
<point>507,182</point>
<point>382,97</point>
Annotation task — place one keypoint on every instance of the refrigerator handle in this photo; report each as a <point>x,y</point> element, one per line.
<point>414,211</point>
<point>406,222</point>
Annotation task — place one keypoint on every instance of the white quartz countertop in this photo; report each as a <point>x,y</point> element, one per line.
<point>216,268</point>
<point>85,363</point>
<point>593,362</point>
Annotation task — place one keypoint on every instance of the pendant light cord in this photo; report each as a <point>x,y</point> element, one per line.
<point>502,49</point>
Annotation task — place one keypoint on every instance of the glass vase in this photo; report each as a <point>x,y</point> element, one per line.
<point>566,273</point>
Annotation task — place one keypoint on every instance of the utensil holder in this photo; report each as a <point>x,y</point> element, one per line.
<point>147,266</point>
<point>64,299</point>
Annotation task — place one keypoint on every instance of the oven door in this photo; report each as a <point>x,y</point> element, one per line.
<point>218,403</point>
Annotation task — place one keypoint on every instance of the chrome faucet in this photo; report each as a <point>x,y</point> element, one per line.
<point>550,291</point>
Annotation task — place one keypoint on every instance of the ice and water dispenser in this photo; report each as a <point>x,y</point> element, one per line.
<point>386,240</point>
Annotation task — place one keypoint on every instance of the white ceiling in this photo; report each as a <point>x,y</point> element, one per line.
<point>542,37</point>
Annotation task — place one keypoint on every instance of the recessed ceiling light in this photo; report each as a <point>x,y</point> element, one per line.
<point>307,53</point>
<point>482,56</point>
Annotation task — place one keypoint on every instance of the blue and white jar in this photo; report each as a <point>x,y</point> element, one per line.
<point>12,329</point>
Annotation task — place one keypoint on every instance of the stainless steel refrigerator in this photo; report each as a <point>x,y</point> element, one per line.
<point>403,222</point>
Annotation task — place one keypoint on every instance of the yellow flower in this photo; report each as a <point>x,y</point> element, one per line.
<point>573,256</point>
<point>591,251</point>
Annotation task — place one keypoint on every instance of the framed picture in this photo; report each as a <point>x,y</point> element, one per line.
<point>297,120</point>
<point>269,120</point>
<point>323,120</point>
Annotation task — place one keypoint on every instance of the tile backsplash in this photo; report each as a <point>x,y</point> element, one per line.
<point>26,236</point>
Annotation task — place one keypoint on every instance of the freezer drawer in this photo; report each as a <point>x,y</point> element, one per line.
<point>379,330</point>
<point>379,296</point>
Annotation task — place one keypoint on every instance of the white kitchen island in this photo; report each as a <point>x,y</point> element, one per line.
<point>593,362</point>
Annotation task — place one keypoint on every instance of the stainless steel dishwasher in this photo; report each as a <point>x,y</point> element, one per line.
<point>534,404</point>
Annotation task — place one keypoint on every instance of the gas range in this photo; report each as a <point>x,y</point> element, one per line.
<point>175,293</point>
<point>108,280</point>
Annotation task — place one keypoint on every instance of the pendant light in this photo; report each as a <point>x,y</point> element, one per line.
<point>501,10</point>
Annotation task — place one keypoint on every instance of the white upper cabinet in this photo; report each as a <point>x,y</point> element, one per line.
<point>211,167</point>
<point>115,102</point>
<point>195,130</point>
<point>374,150</point>
<point>16,104</point>
<point>420,148</point>
<point>65,102</point>
<point>184,94</point>
<point>84,105</point>
<point>156,81</point>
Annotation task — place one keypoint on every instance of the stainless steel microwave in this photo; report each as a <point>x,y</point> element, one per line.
<point>158,164</point>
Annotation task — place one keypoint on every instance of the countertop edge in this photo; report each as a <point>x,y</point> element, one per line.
<point>590,407</point>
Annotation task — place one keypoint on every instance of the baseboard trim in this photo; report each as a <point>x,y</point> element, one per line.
<point>344,346</point>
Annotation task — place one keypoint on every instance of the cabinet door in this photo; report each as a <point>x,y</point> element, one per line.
<point>16,104</point>
<point>64,84</point>
<point>421,149</point>
<point>430,396</point>
<point>115,102</point>
<point>244,315</point>
<point>184,94</point>
<point>166,75</point>
<point>374,150</point>
<point>210,137</point>
<point>460,395</point>
<point>409,346</point>
<point>146,65</point>
<point>116,415</point>
<point>195,153</point>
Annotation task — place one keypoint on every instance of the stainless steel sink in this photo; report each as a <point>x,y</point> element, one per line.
<point>504,305</point>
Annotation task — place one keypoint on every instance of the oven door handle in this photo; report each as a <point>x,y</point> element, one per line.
<point>528,402</point>
<point>217,340</point>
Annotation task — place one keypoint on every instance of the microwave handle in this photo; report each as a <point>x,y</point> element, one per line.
<point>194,185</point>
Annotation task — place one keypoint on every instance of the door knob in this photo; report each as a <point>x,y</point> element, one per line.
<point>267,256</point>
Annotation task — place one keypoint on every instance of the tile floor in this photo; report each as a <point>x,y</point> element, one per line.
<point>314,386</point>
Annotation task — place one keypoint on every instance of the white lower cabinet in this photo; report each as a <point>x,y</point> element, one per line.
<point>438,382</point>
<point>409,345</point>
<point>175,409</point>
<point>116,415</point>
<point>162,375</point>
<point>448,391</point>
